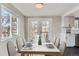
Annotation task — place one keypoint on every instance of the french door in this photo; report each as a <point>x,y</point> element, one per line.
<point>39,27</point>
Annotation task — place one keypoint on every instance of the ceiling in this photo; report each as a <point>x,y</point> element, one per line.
<point>50,9</point>
<point>75,13</point>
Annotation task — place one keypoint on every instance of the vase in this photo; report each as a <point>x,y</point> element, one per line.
<point>39,41</point>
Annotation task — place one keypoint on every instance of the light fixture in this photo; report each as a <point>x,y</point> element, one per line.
<point>39,5</point>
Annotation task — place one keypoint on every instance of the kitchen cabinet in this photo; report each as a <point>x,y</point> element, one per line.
<point>70,38</point>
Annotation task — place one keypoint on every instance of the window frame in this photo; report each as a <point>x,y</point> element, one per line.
<point>10,17</point>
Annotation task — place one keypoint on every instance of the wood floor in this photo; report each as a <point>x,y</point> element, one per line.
<point>72,51</point>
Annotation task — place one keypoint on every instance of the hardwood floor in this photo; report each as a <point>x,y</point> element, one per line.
<point>72,51</point>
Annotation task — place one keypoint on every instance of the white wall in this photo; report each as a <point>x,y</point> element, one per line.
<point>26,27</point>
<point>68,20</point>
<point>56,25</point>
<point>21,27</point>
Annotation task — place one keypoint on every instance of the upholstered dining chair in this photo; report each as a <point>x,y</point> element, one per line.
<point>57,42</point>
<point>11,49</point>
<point>20,43</point>
<point>55,38</point>
<point>62,48</point>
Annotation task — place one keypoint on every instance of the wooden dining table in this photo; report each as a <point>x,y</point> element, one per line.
<point>40,49</point>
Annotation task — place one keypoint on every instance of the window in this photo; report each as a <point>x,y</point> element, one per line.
<point>9,23</point>
<point>14,26</point>
<point>5,23</point>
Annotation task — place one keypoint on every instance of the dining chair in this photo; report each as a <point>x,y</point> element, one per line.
<point>20,43</point>
<point>54,40</point>
<point>24,41</point>
<point>62,48</point>
<point>11,49</point>
<point>57,42</point>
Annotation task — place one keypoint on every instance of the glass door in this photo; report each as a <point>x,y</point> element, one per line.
<point>32,29</point>
<point>45,30</point>
<point>39,27</point>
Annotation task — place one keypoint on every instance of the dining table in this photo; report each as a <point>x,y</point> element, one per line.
<point>46,49</point>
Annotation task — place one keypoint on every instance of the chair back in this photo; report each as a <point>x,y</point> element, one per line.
<point>57,42</point>
<point>20,43</point>
<point>62,46</point>
<point>54,40</point>
<point>11,48</point>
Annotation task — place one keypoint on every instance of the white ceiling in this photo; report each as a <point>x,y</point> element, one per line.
<point>75,13</point>
<point>50,9</point>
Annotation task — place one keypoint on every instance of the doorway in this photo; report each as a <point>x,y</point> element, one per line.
<point>39,27</point>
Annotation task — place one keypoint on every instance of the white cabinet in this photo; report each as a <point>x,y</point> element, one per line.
<point>70,38</point>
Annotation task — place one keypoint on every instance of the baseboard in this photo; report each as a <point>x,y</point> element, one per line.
<point>76,46</point>
<point>70,46</point>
